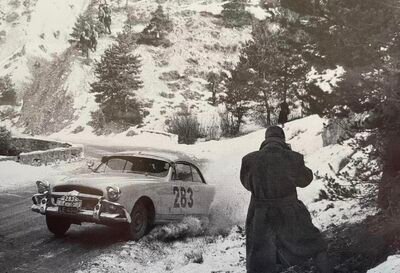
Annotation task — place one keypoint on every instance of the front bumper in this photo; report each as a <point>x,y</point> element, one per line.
<point>45,204</point>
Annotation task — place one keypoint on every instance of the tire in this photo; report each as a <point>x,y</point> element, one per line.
<point>141,221</point>
<point>57,225</point>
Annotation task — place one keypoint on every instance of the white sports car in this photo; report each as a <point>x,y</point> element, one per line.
<point>135,189</point>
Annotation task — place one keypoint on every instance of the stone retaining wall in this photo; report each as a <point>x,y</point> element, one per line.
<point>38,158</point>
<point>26,145</point>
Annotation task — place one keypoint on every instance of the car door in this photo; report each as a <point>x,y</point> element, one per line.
<point>204,193</point>
<point>167,192</point>
<point>192,194</point>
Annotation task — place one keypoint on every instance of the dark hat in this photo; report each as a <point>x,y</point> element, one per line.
<point>274,131</point>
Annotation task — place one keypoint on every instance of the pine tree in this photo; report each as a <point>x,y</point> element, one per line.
<point>155,33</point>
<point>8,95</point>
<point>81,23</point>
<point>274,56</point>
<point>118,78</point>
<point>363,37</point>
<point>234,13</point>
<point>239,96</point>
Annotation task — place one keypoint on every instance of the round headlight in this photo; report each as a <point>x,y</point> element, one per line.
<point>113,193</point>
<point>42,186</point>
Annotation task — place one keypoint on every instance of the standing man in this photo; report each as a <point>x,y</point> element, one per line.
<point>283,113</point>
<point>100,14</point>
<point>278,225</point>
<point>93,38</point>
<point>84,41</point>
<point>107,18</point>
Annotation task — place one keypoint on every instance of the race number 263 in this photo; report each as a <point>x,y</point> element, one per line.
<point>183,197</point>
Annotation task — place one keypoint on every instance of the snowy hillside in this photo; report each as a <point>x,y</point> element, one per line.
<point>34,44</point>
<point>33,29</point>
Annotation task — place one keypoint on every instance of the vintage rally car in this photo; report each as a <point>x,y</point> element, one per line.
<point>134,190</point>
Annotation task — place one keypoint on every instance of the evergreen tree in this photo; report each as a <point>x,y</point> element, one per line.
<point>239,95</point>
<point>363,37</point>
<point>118,78</point>
<point>234,13</point>
<point>81,22</point>
<point>277,69</point>
<point>155,33</point>
<point>8,95</point>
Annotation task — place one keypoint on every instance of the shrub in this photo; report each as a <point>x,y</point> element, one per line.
<point>155,33</point>
<point>211,130</point>
<point>186,126</point>
<point>98,121</point>
<point>11,17</point>
<point>234,13</point>
<point>8,94</point>
<point>5,141</point>
<point>78,129</point>
<point>335,191</point>
<point>228,124</point>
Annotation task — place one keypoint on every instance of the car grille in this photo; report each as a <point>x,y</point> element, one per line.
<point>87,203</point>
<point>80,189</point>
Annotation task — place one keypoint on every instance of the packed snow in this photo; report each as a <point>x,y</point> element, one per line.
<point>392,265</point>
<point>14,175</point>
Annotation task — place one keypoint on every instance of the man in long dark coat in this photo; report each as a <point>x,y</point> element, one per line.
<point>278,225</point>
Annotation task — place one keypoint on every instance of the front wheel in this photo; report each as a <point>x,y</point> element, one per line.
<point>141,221</point>
<point>57,225</point>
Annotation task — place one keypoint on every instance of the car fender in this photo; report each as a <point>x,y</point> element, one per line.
<point>131,194</point>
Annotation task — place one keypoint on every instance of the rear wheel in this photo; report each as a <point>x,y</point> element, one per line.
<point>57,225</point>
<point>141,221</point>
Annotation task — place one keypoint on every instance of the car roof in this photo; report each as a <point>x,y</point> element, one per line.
<point>168,156</point>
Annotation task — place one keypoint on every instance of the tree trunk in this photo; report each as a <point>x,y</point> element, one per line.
<point>389,187</point>
<point>214,97</point>
<point>268,117</point>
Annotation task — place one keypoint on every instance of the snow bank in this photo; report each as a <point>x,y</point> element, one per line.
<point>14,175</point>
<point>392,265</point>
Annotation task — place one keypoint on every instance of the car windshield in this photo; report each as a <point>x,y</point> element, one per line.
<point>133,164</point>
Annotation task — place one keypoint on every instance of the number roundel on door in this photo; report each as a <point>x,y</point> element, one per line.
<point>183,197</point>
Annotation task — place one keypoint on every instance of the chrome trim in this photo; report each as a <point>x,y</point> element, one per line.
<point>83,195</point>
<point>42,203</point>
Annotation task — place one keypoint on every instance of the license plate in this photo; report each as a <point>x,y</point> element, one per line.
<point>69,201</point>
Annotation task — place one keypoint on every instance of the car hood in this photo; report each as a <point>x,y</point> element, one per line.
<point>102,181</point>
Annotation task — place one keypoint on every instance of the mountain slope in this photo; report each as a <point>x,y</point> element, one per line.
<point>173,76</point>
